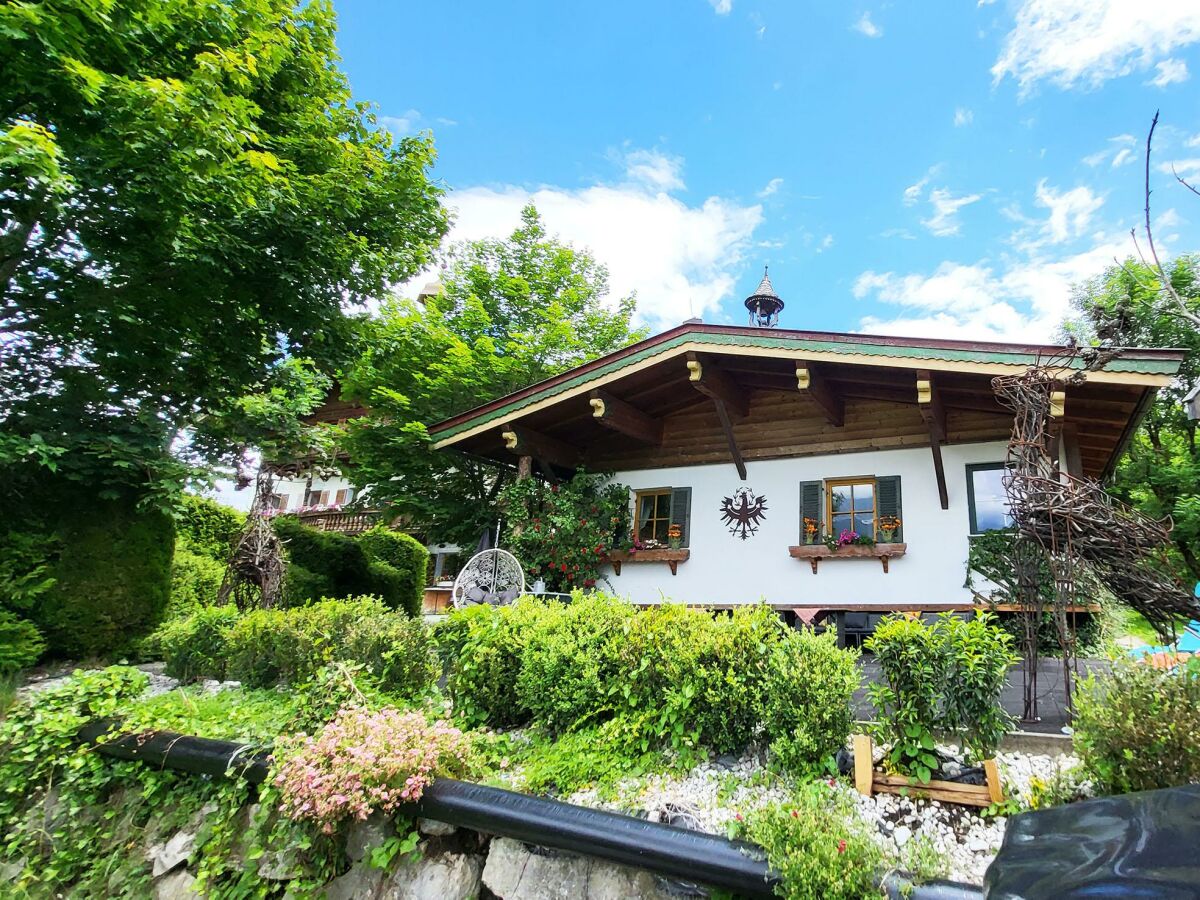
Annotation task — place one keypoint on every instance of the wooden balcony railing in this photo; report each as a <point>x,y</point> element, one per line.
<point>343,521</point>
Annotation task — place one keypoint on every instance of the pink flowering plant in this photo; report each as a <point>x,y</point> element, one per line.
<point>366,760</point>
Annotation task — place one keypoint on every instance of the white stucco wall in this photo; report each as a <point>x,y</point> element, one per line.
<point>294,488</point>
<point>725,569</point>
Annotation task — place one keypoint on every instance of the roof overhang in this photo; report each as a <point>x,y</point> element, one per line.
<point>1145,368</point>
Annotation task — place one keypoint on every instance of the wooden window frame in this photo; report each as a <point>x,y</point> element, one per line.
<point>972,511</point>
<point>832,483</point>
<point>637,506</point>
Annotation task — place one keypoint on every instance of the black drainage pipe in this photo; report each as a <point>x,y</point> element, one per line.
<point>666,850</point>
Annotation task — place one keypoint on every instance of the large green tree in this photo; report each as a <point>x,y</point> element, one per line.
<point>1160,472</point>
<point>188,196</point>
<point>511,312</point>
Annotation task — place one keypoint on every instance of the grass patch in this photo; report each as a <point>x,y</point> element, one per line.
<point>249,716</point>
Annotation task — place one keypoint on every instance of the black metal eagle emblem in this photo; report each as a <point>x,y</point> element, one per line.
<point>743,512</point>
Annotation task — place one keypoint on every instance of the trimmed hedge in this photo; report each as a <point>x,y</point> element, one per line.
<point>269,647</point>
<point>665,676</point>
<point>195,581</point>
<point>20,643</point>
<point>207,527</point>
<point>380,562</point>
<point>112,578</point>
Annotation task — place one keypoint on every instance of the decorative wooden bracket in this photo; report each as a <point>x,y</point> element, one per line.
<point>729,400</point>
<point>523,441</point>
<point>929,400</point>
<point>810,382</point>
<point>614,413</point>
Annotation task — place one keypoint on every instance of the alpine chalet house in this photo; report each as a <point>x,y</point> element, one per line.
<point>746,448</point>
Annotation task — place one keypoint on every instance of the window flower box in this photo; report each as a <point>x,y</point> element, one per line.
<point>814,553</point>
<point>672,558</point>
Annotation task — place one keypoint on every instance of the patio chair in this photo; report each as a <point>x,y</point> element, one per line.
<point>493,577</point>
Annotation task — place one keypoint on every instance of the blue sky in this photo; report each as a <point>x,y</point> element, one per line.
<point>933,168</point>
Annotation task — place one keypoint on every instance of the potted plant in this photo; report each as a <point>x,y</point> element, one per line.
<point>674,536</point>
<point>810,530</point>
<point>888,527</point>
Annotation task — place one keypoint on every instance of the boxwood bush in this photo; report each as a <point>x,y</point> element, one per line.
<point>407,557</point>
<point>665,676</point>
<point>265,648</point>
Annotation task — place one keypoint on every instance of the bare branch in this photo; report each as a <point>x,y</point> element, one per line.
<point>1182,181</point>
<point>1164,280</point>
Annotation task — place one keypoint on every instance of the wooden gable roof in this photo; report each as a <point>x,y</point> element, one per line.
<point>699,393</point>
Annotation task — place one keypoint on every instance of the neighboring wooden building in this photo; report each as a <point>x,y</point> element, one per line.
<point>737,434</point>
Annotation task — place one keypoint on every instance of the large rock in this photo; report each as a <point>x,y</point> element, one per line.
<point>177,885</point>
<point>444,876</point>
<point>172,854</point>
<point>361,882</point>
<point>515,871</point>
<point>365,836</point>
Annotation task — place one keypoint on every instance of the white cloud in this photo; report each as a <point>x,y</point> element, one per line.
<point>864,25</point>
<point>762,30</point>
<point>943,222</point>
<point>826,243</point>
<point>771,187</point>
<point>1119,149</point>
<point>1083,43</point>
<point>1170,71</point>
<point>1023,299</point>
<point>963,116</point>
<point>681,259</point>
<point>913,192</point>
<point>1071,211</point>
<point>1188,169</point>
<point>1193,141</point>
<point>1121,157</point>
<point>403,125</point>
<point>654,169</point>
<point>721,7</point>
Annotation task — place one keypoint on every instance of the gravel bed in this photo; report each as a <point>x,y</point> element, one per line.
<point>712,794</point>
<point>159,682</point>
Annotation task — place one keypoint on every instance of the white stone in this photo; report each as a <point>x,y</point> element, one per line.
<point>447,876</point>
<point>175,852</point>
<point>434,828</point>
<point>177,885</point>
<point>902,835</point>
<point>361,881</point>
<point>364,836</point>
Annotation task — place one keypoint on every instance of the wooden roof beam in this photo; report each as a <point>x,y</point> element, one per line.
<point>728,399</point>
<point>626,419</point>
<point>522,441</point>
<point>929,401</point>
<point>714,382</point>
<point>811,382</point>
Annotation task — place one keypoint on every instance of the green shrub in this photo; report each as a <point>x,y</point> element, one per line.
<point>818,845</point>
<point>195,582</point>
<point>196,646</point>
<point>267,647</point>
<point>484,646</point>
<point>1138,728</point>
<point>20,643</point>
<point>806,700</point>
<point>979,653</point>
<point>940,679</point>
<point>112,578</point>
<point>383,563</point>
<point>408,557</point>
<point>208,528</point>
<point>571,667</point>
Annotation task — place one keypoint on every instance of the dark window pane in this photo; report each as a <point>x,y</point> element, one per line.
<point>840,499</point>
<point>864,525</point>
<point>991,503</point>
<point>841,523</point>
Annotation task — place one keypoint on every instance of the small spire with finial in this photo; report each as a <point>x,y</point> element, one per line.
<point>764,304</point>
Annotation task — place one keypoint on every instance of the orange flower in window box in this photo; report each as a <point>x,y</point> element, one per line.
<point>810,530</point>
<point>888,526</point>
<point>674,536</point>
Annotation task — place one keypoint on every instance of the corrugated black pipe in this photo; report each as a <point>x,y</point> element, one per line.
<point>665,850</point>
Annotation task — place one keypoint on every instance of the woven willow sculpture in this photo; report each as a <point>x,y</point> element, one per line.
<point>1074,523</point>
<point>254,576</point>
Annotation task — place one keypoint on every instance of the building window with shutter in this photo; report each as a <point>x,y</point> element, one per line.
<point>655,510</point>
<point>851,504</point>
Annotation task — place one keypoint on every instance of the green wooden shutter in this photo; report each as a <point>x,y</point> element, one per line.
<point>887,500</point>
<point>681,512</point>
<point>812,503</point>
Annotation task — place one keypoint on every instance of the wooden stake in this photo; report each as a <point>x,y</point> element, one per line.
<point>992,774</point>
<point>864,776</point>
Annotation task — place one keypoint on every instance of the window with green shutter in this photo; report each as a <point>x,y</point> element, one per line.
<point>655,510</point>
<point>887,508</point>
<point>811,505</point>
<point>862,505</point>
<point>681,513</point>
